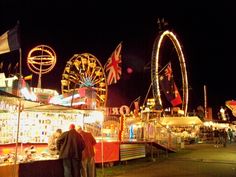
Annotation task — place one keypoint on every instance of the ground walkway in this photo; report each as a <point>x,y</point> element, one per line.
<point>195,160</point>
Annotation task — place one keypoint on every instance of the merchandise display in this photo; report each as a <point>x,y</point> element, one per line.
<point>35,127</point>
<point>29,129</point>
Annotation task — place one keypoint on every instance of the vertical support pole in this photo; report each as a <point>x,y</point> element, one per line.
<point>205,102</point>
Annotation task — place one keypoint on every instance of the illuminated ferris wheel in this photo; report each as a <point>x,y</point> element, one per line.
<point>157,57</point>
<point>85,71</point>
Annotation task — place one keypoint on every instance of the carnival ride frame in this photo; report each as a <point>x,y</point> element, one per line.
<point>155,64</point>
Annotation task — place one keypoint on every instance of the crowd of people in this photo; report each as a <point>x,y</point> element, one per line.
<point>75,148</point>
<point>218,136</point>
<point>222,137</point>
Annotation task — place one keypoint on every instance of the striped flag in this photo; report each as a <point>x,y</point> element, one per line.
<point>112,67</point>
<point>9,41</point>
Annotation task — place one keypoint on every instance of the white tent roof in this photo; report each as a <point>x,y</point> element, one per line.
<point>36,106</point>
<point>181,121</point>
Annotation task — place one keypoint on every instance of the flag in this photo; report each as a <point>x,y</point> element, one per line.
<point>9,41</point>
<point>29,77</point>
<point>112,67</point>
<point>169,87</point>
<point>177,99</point>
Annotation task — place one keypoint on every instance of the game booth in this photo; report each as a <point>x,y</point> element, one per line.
<point>26,127</point>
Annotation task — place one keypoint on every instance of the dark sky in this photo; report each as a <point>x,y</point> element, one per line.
<point>206,32</point>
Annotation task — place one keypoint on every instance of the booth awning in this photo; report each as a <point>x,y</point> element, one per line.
<point>9,99</point>
<point>181,121</point>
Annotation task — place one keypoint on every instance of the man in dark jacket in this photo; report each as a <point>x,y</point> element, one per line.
<point>71,145</point>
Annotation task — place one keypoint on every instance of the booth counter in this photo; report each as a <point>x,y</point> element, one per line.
<point>43,168</point>
<point>104,151</point>
<point>9,170</point>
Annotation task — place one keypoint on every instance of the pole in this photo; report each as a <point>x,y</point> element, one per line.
<point>40,76</point>
<point>205,102</point>
<point>20,62</point>
<point>145,99</point>
<point>20,74</point>
<point>102,153</point>
<point>136,99</point>
<point>17,136</point>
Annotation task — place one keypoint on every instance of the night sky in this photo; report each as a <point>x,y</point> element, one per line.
<point>206,32</point>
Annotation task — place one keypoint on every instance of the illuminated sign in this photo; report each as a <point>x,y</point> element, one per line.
<point>123,110</point>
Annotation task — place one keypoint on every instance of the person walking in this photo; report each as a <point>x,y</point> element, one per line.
<point>216,137</point>
<point>88,162</point>
<point>230,135</point>
<point>225,137</point>
<point>71,146</point>
<point>52,142</point>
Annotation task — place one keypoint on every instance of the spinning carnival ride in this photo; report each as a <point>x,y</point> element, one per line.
<point>156,58</point>
<point>84,73</point>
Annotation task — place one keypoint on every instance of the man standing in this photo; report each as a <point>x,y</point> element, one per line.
<point>230,135</point>
<point>88,162</point>
<point>71,145</point>
<point>216,137</point>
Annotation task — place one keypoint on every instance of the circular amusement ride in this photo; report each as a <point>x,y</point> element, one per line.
<point>85,75</point>
<point>157,56</point>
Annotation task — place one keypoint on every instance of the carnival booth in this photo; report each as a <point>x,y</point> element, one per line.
<point>185,127</point>
<point>25,129</point>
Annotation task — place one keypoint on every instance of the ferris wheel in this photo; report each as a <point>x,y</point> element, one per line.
<point>85,71</point>
<point>157,57</point>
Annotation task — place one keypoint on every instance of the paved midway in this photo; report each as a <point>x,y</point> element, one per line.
<point>195,160</point>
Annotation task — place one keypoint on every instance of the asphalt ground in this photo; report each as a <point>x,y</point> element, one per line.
<point>194,160</point>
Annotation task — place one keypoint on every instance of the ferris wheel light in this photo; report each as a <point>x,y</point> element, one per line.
<point>102,84</point>
<point>92,65</point>
<point>77,63</point>
<point>66,76</point>
<point>103,97</point>
<point>67,69</point>
<point>69,63</point>
<point>85,71</point>
<point>98,73</point>
<point>64,82</point>
<point>84,60</point>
